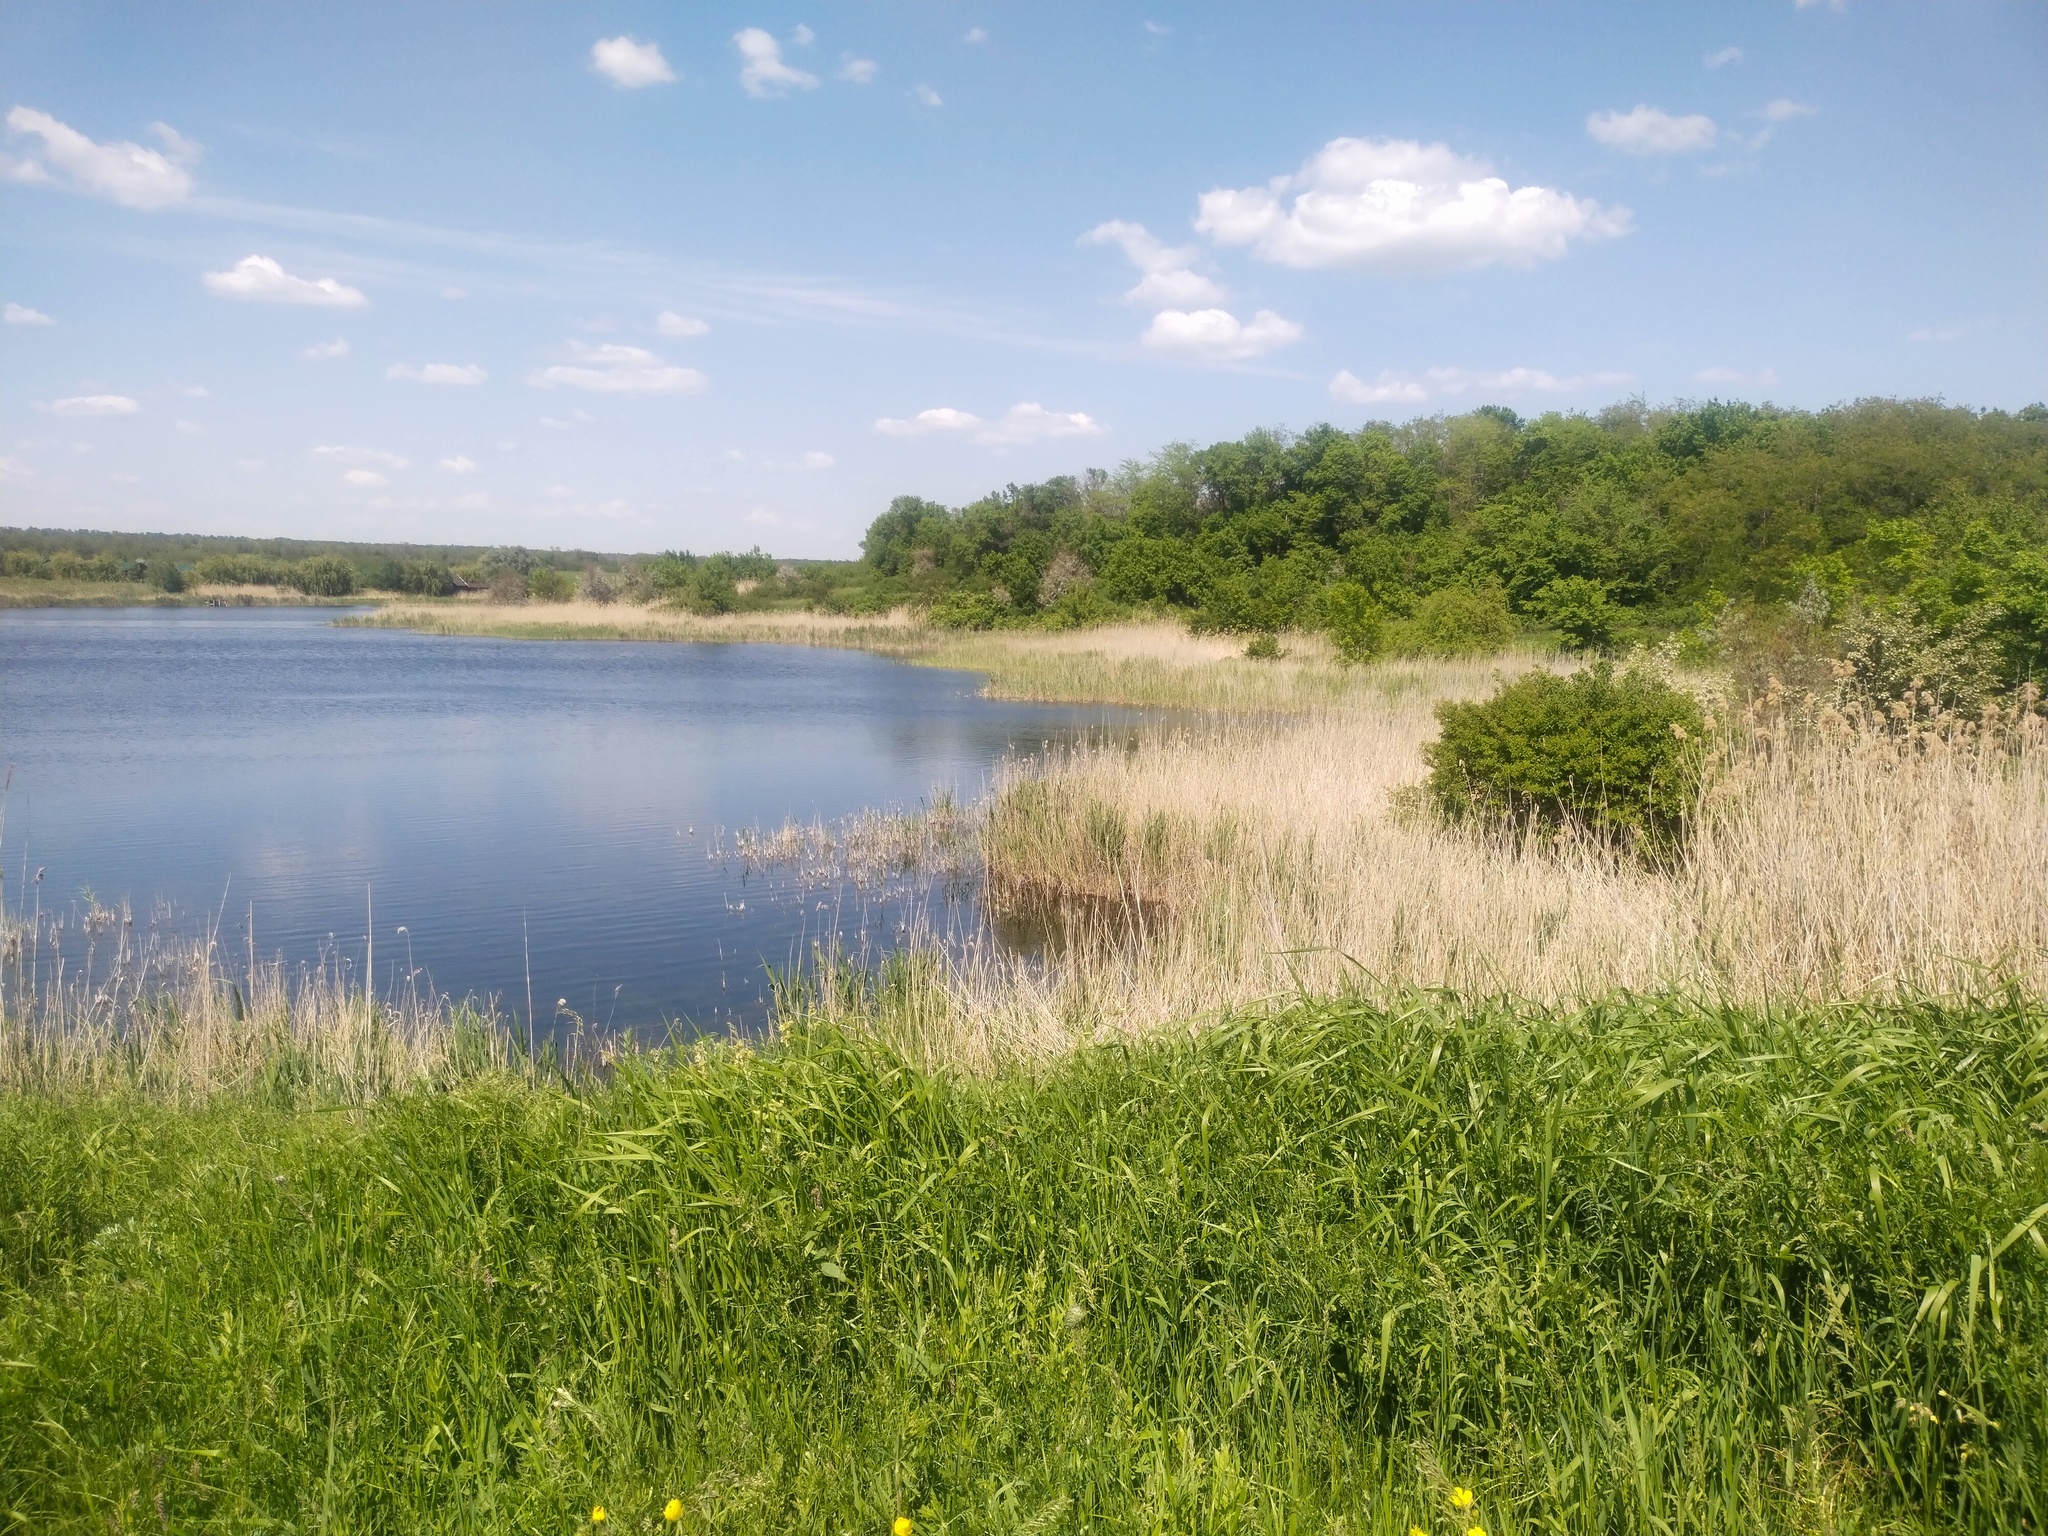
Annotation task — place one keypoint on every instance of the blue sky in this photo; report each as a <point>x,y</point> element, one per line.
<point>636,276</point>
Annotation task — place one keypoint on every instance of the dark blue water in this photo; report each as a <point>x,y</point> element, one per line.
<point>507,803</point>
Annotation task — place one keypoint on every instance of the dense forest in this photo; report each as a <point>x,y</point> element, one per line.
<point>1453,532</point>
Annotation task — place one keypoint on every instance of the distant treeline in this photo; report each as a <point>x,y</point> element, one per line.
<point>1454,532</point>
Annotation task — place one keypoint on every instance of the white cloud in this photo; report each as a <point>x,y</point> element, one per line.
<point>859,71</point>
<point>816,460</point>
<point>1784,109</point>
<point>1169,279</point>
<point>262,280</point>
<point>1031,422</point>
<point>1735,376</point>
<point>1652,131</point>
<point>21,314</point>
<point>1027,422</point>
<point>764,75</point>
<point>1158,29</point>
<point>1216,335</point>
<point>94,405</point>
<point>1395,205</point>
<point>616,369</point>
<point>940,418</point>
<point>629,65</point>
<point>461,374</point>
<point>458,464</point>
<point>1723,57</point>
<point>454,293</point>
<point>190,429</point>
<point>122,172</point>
<point>927,95</point>
<point>326,351</point>
<point>803,36</point>
<point>1927,333</point>
<point>364,477</point>
<point>1391,387</point>
<point>1807,5</point>
<point>347,455</point>
<point>669,323</point>
<point>14,469</point>
<point>976,35</point>
<point>1388,387</point>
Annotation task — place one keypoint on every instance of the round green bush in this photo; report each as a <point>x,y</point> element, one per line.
<point>1619,757</point>
<point>324,576</point>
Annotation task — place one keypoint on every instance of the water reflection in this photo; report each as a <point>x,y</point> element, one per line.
<point>515,807</point>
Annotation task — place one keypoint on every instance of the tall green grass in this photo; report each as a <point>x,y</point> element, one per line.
<point>1649,1267</point>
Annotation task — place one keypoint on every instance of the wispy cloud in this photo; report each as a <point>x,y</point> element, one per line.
<point>859,71</point>
<point>462,375</point>
<point>669,323</point>
<point>764,75</point>
<point>325,351</point>
<point>1652,131</point>
<point>345,454</point>
<point>94,405</point>
<point>1763,376</point>
<point>457,464</point>
<point>1721,58</point>
<point>927,96</point>
<point>1026,422</point>
<point>1169,276</point>
<point>122,172</point>
<point>1392,387</point>
<point>616,369</point>
<point>21,314</point>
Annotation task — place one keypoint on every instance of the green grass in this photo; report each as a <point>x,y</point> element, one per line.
<point>1648,1267</point>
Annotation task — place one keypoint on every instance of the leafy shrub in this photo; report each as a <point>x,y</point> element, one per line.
<point>598,587</point>
<point>1458,621</point>
<point>507,586</point>
<point>714,590</point>
<point>1617,756</point>
<point>1264,646</point>
<point>962,609</point>
<point>163,574</point>
<point>324,576</point>
<point>25,563</point>
<point>545,584</point>
<point>1356,624</point>
<point>1580,611</point>
<point>243,571</point>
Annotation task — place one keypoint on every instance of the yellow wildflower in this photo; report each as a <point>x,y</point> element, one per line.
<point>597,1514</point>
<point>1461,1498</point>
<point>1475,1530</point>
<point>901,1527</point>
<point>672,1511</point>
<point>1416,1530</point>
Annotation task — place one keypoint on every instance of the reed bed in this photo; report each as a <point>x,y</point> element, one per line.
<point>1220,866</point>
<point>92,1002</point>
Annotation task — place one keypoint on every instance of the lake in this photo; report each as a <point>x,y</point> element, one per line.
<point>488,806</point>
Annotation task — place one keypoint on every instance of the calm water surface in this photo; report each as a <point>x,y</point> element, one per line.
<point>502,801</point>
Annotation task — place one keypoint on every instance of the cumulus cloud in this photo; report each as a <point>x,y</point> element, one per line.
<point>1395,205</point>
<point>460,374</point>
<point>261,280</point>
<point>367,478</point>
<point>94,405</point>
<point>940,418</point>
<point>1169,275</point>
<point>1216,335</point>
<point>669,323</point>
<point>1652,131</point>
<point>764,74</point>
<point>1392,387</point>
<point>21,314</point>
<point>1723,57</point>
<point>859,71</point>
<point>629,65</point>
<point>927,96</point>
<point>616,369</point>
<point>343,454</point>
<point>458,464</point>
<point>326,351</point>
<point>121,172</point>
<point>803,36</point>
<point>1735,376</point>
<point>1026,422</point>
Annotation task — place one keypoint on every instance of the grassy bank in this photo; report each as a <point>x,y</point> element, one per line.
<point>1642,1268</point>
<point>19,592</point>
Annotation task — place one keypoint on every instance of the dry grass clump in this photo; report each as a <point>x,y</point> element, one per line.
<point>93,1006</point>
<point>580,620</point>
<point>1208,869</point>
